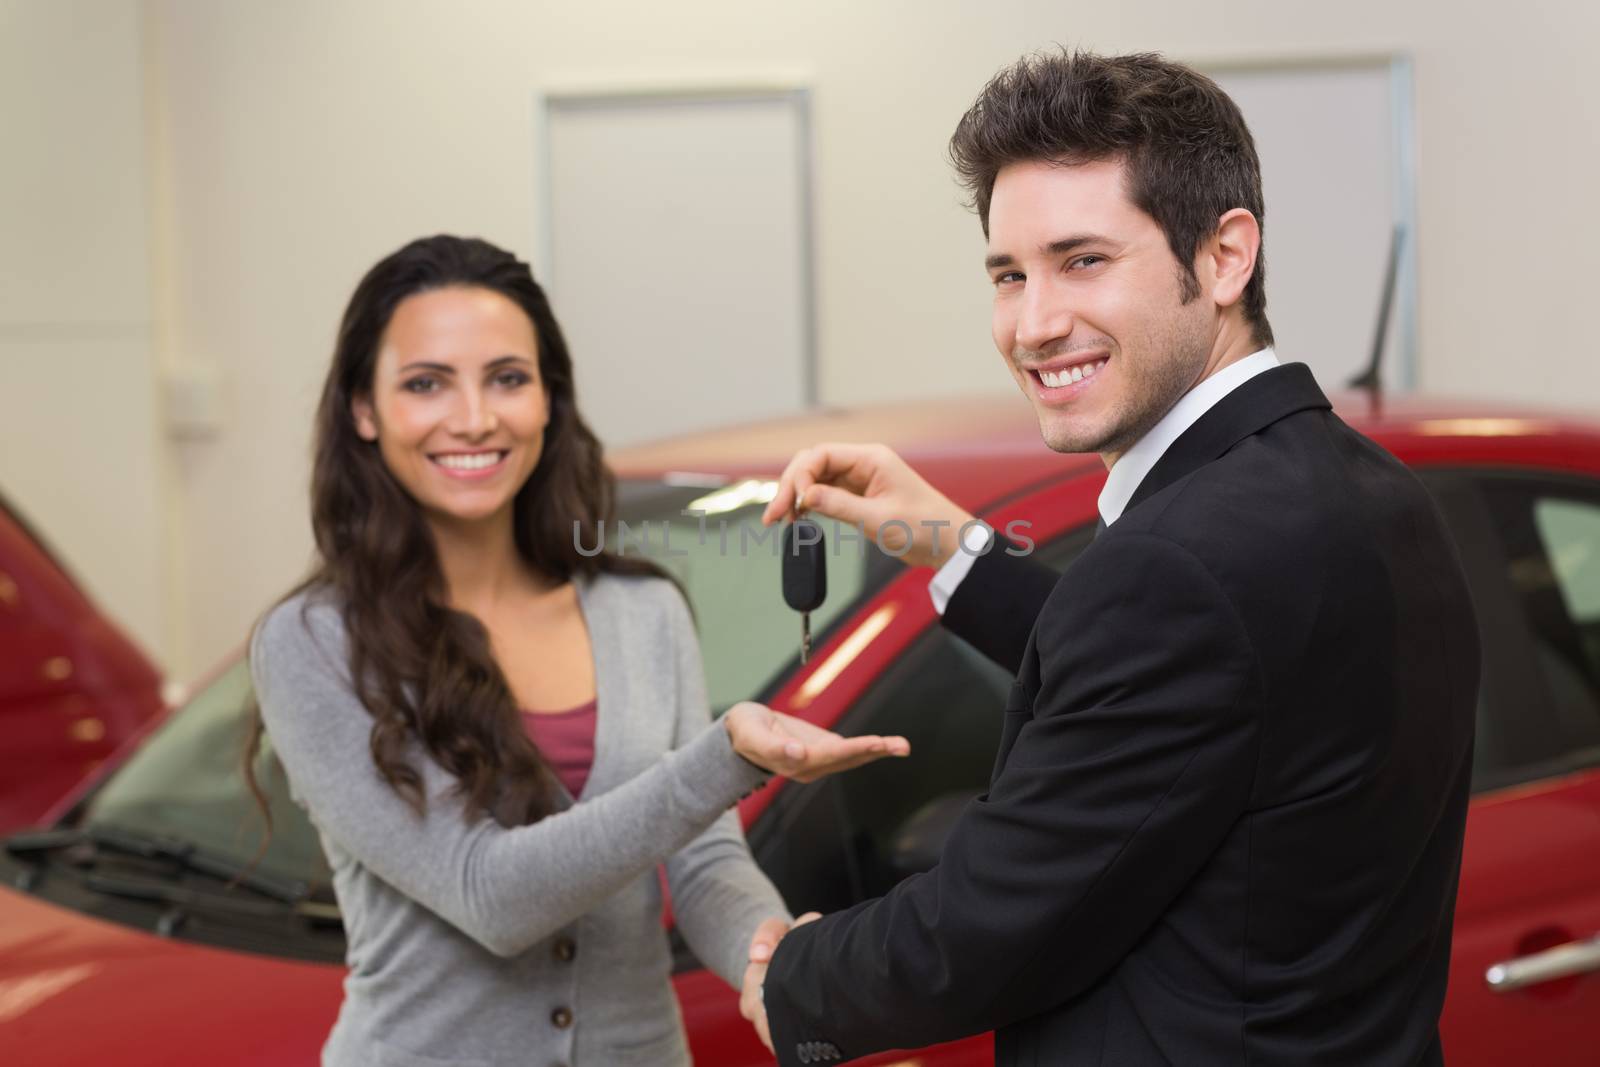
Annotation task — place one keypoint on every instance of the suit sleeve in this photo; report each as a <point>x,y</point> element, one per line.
<point>1137,758</point>
<point>994,607</point>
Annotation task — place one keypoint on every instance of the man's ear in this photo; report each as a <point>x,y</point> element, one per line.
<point>1232,253</point>
<point>366,422</point>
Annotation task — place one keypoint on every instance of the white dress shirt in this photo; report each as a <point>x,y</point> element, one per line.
<point>1128,471</point>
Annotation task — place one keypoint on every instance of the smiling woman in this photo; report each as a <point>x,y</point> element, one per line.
<point>449,353</point>
<point>458,394</point>
<point>535,718</point>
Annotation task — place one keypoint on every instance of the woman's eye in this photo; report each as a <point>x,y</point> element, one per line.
<point>420,385</point>
<point>511,379</point>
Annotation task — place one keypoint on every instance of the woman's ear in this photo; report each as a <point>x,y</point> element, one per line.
<point>366,421</point>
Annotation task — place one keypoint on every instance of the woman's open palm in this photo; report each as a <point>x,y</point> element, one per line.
<point>798,749</point>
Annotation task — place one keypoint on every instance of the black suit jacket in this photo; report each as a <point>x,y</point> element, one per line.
<point>1225,823</point>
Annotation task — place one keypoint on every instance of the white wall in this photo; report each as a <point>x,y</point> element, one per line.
<point>295,142</point>
<point>79,436</point>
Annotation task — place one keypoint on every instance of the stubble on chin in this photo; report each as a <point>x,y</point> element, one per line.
<point>1134,413</point>
<point>1148,391</point>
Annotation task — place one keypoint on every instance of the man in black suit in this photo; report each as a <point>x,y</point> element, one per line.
<point>1225,823</point>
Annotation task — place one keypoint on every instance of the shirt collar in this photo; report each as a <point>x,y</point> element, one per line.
<point>1136,462</point>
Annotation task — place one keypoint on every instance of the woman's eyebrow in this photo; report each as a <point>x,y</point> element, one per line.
<point>445,368</point>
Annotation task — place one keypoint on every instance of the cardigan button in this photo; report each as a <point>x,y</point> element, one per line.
<point>561,1018</point>
<point>565,949</point>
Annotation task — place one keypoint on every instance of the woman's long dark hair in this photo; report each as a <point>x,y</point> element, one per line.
<point>424,670</point>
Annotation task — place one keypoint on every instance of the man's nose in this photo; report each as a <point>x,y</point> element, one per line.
<point>1045,316</point>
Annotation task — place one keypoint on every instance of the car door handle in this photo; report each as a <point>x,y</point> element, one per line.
<point>1563,961</point>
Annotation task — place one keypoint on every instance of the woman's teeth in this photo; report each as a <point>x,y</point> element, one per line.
<point>475,462</point>
<point>1071,374</point>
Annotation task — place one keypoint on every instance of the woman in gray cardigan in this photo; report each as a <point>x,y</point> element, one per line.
<point>498,738</point>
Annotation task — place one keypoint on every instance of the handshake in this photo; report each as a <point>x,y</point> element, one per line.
<point>762,945</point>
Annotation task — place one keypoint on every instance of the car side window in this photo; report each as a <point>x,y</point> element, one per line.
<point>852,836</point>
<point>1550,532</point>
<point>1570,531</point>
<point>1530,545</point>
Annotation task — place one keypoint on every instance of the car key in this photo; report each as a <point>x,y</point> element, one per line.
<point>805,575</point>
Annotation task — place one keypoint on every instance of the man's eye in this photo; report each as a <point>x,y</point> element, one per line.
<point>1087,261</point>
<point>421,385</point>
<point>1010,277</point>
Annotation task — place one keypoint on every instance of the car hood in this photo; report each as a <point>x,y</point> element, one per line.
<point>77,990</point>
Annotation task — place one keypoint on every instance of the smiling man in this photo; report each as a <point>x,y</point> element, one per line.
<point>1225,822</point>
<point>1103,328</point>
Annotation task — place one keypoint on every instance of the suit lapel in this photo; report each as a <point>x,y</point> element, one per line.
<point>1251,408</point>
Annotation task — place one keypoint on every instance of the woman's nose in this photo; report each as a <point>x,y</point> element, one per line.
<point>474,417</point>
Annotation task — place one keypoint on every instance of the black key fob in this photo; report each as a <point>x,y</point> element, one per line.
<point>805,571</point>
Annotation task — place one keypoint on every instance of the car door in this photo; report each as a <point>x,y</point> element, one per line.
<point>1523,983</point>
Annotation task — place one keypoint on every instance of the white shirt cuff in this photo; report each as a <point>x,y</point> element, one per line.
<point>974,543</point>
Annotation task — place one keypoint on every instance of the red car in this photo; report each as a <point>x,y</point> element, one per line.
<point>72,687</point>
<point>119,942</point>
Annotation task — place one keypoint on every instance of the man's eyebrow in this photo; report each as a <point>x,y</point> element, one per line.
<point>1058,247</point>
<point>1071,244</point>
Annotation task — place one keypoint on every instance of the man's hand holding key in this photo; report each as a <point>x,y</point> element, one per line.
<point>871,485</point>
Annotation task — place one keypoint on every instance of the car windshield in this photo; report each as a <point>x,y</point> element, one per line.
<point>185,782</point>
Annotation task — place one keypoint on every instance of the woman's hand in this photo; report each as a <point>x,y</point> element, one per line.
<point>796,749</point>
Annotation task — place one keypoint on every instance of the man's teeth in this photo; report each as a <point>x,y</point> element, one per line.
<point>1071,374</point>
<point>475,462</point>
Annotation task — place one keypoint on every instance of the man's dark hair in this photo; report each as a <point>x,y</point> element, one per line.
<point>1188,155</point>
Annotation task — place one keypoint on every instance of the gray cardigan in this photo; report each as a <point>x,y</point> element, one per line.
<point>477,945</point>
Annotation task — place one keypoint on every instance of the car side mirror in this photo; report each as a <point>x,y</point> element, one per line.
<point>916,845</point>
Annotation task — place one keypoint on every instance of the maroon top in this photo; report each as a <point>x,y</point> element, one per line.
<point>566,741</point>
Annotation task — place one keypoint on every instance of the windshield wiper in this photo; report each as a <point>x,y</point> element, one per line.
<point>179,897</point>
<point>181,854</point>
<point>191,858</point>
<point>182,902</point>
